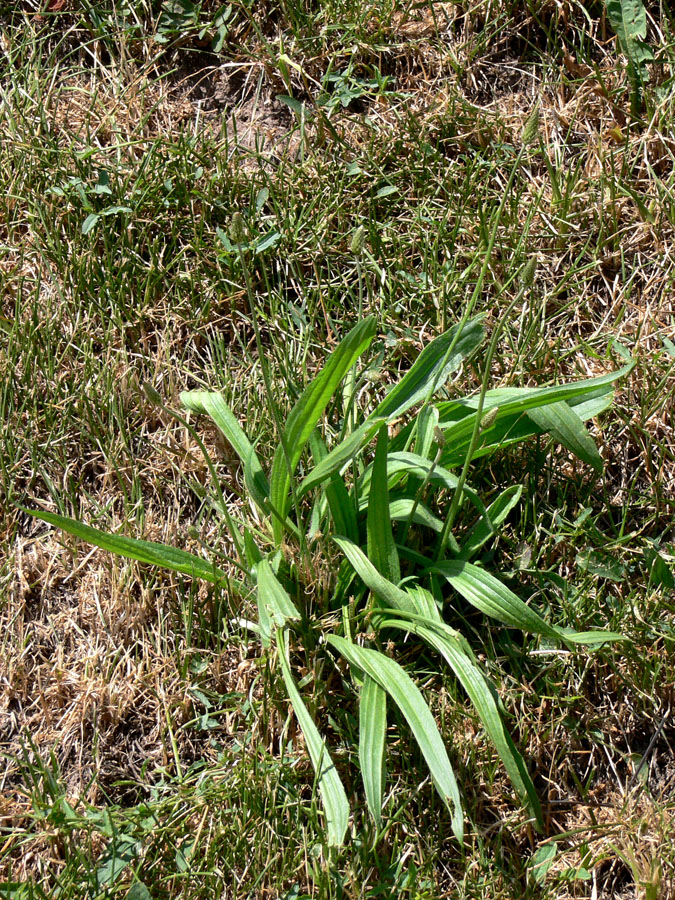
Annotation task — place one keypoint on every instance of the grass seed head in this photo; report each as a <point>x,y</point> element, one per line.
<point>237,229</point>
<point>528,273</point>
<point>358,241</point>
<point>531,129</point>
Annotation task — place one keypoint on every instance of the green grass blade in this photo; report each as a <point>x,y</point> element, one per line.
<point>330,786</point>
<point>565,426</point>
<point>432,368</point>
<point>307,412</point>
<point>273,596</point>
<point>372,727</point>
<point>381,547</point>
<point>490,596</point>
<point>404,692</point>
<point>131,548</point>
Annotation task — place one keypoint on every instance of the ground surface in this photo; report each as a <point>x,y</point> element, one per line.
<point>146,750</point>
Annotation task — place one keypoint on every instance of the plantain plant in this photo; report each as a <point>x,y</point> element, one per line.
<point>628,19</point>
<point>395,522</point>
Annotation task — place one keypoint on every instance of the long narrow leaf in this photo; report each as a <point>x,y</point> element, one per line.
<point>483,530</point>
<point>426,422</point>
<point>424,603</point>
<point>264,624</point>
<point>521,399</point>
<point>493,598</point>
<point>432,368</point>
<point>427,371</point>
<point>212,404</point>
<point>400,510</point>
<point>482,696</point>
<point>273,595</point>
<point>330,786</point>
<point>338,500</point>
<point>372,727</point>
<point>404,692</point>
<point>565,426</point>
<point>381,547</point>
<point>402,464</point>
<point>339,457</point>
<point>590,638</point>
<point>389,593</point>
<point>511,424</point>
<point>306,413</point>
<point>509,429</point>
<point>131,548</point>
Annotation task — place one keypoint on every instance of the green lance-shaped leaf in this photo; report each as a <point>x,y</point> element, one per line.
<point>330,786</point>
<point>520,400</point>
<point>403,691</point>
<point>432,368</point>
<point>273,596</point>
<point>384,589</point>
<point>212,404</point>
<point>589,638</point>
<point>341,508</point>
<point>507,430</point>
<point>131,548</point>
<point>483,698</point>
<point>381,547</point>
<point>484,529</point>
<point>401,510</point>
<point>424,603</point>
<point>402,464</point>
<point>565,426</point>
<point>251,549</point>
<point>511,423</point>
<point>490,596</point>
<point>426,422</point>
<point>628,18</point>
<point>264,626</point>
<point>307,412</point>
<point>340,457</point>
<point>429,372</point>
<point>338,500</point>
<point>372,727</point>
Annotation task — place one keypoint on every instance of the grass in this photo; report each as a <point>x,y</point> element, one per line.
<point>146,748</point>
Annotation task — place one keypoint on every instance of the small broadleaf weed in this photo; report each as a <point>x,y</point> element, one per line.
<point>383,511</point>
<point>628,18</point>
